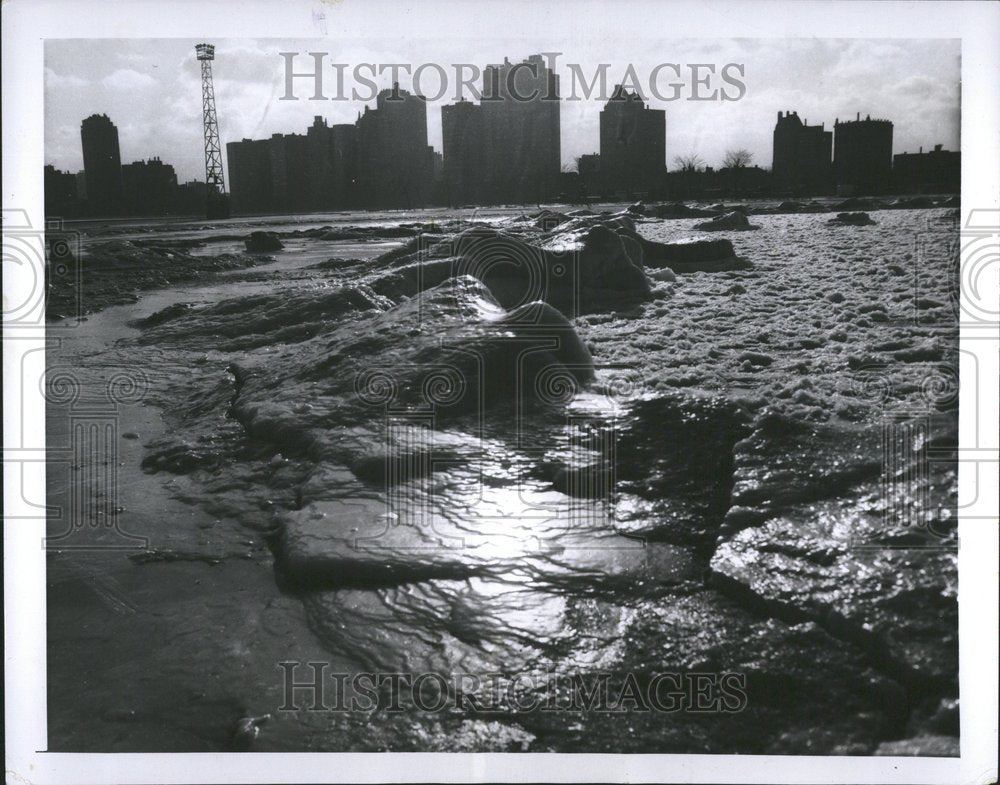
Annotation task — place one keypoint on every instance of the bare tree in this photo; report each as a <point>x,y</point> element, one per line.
<point>689,163</point>
<point>737,159</point>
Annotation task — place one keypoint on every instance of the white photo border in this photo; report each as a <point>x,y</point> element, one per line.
<point>28,23</point>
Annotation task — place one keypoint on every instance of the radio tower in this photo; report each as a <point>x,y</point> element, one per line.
<point>216,205</point>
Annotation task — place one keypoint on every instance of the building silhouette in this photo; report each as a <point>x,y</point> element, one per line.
<point>81,185</point>
<point>383,160</point>
<point>105,188</point>
<point>395,163</point>
<point>520,111</point>
<point>344,138</point>
<point>61,197</point>
<point>504,149</point>
<point>191,197</point>
<point>862,155</point>
<point>464,153</point>
<point>936,171</point>
<point>102,163</point>
<point>250,185</point>
<point>289,162</point>
<point>801,161</point>
<point>633,144</point>
<point>149,187</point>
<point>332,165</point>
<point>319,175</point>
<point>588,166</point>
<point>271,175</point>
<point>294,172</point>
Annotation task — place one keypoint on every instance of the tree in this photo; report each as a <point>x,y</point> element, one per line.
<point>689,163</point>
<point>737,159</point>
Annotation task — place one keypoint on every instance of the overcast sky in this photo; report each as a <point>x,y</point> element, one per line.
<point>151,89</point>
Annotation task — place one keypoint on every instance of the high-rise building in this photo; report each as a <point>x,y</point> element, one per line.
<point>633,144</point>
<point>61,199</point>
<point>801,162</point>
<point>344,168</point>
<point>150,187</point>
<point>936,171</point>
<point>102,163</point>
<point>191,197</point>
<point>395,161</point>
<point>81,185</point>
<point>862,155</point>
<point>295,172</point>
<point>589,168</point>
<point>319,149</point>
<point>464,152</point>
<point>520,111</point>
<point>250,185</point>
<point>289,160</point>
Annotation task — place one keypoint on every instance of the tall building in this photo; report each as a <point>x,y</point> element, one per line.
<point>801,162</point>
<point>395,162</point>
<point>633,144</point>
<point>102,163</point>
<point>464,152</point>
<point>191,197</point>
<point>589,168</point>
<point>289,162</point>
<point>81,185</point>
<point>61,199</point>
<point>270,175</point>
<point>520,111</point>
<point>291,172</point>
<point>936,171</point>
<point>319,150</point>
<point>250,176</point>
<point>381,161</point>
<point>150,187</point>
<point>344,168</point>
<point>862,155</point>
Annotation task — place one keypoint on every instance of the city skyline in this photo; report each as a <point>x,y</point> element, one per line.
<point>151,90</point>
<point>499,151</point>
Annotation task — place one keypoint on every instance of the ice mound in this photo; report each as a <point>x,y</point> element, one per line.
<point>851,219</point>
<point>735,221</point>
<point>114,271</point>
<point>591,263</point>
<point>688,255</point>
<point>911,203</point>
<point>453,348</point>
<point>677,210</point>
<point>263,242</point>
<point>819,500</point>
<point>672,462</point>
<point>695,254</point>
<point>258,320</point>
<point>858,203</point>
<point>549,219</point>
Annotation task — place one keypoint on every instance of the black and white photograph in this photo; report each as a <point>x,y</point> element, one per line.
<point>507,381</point>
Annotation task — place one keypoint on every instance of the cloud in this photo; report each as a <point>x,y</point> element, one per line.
<point>127,79</point>
<point>921,87</point>
<point>65,81</point>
